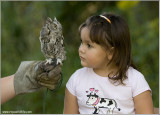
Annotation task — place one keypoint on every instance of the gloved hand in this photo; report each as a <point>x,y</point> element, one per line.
<point>32,75</point>
<point>50,75</point>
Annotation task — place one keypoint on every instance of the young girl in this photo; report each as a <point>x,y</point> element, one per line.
<point>108,83</point>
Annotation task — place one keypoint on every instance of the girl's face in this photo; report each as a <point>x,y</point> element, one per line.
<point>91,54</point>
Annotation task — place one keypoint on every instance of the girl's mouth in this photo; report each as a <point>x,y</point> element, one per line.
<point>81,58</point>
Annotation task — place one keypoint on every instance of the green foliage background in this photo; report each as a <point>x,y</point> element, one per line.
<point>21,23</point>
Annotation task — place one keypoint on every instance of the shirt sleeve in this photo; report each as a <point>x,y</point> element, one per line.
<point>71,84</point>
<point>139,84</point>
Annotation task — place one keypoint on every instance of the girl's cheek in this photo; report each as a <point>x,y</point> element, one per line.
<point>90,57</point>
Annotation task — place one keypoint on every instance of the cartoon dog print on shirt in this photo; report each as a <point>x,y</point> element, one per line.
<point>98,102</point>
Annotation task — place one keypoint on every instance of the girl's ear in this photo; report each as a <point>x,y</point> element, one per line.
<point>110,53</point>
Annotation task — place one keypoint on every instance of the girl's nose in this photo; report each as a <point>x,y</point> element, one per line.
<point>81,49</point>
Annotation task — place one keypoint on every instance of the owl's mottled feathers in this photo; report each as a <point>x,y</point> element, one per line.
<point>52,41</point>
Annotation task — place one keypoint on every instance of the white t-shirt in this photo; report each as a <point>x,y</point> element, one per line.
<point>96,94</point>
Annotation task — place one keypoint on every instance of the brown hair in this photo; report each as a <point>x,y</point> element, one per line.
<point>115,34</point>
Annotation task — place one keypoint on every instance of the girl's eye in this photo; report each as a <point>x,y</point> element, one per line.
<point>89,46</point>
<point>80,42</point>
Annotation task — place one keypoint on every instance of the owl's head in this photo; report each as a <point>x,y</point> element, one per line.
<point>54,25</point>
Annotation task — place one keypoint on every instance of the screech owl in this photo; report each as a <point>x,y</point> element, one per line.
<point>52,41</point>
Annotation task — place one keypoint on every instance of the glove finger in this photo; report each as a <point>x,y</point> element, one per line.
<point>43,76</point>
<point>56,78</point>
<point>55,72</point>
<point>39,68</point>
<point>49,81</point>
<point>49,86</point>
<point>48,67</point>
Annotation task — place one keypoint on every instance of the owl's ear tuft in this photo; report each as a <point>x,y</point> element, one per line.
<point>49,19</point>
<point>55,19</point>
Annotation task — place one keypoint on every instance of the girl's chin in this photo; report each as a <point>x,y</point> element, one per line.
<point>85,65</point>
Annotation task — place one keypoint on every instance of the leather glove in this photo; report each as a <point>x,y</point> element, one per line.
<point>32,75</point>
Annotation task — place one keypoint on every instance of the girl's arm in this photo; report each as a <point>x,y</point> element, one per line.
<point>143,103</point>
<point>70,103</point>
<point>7,88</point>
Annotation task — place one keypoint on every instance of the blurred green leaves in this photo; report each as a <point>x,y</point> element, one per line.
<point>126,5</point>
<point>22,21</point>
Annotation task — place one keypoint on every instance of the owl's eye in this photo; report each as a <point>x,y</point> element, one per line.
<point>55,26</point>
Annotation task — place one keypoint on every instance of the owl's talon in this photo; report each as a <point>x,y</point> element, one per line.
<point>59,61</point>
<point>48,61</point>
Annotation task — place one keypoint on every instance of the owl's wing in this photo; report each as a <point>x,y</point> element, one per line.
<point>60,50</point>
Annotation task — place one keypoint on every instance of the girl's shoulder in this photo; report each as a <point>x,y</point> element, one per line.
<point>137,81</point>
<point>82,72</point>
<point>135,77</point>
<point>133,73</point>
<point>77,77</point>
